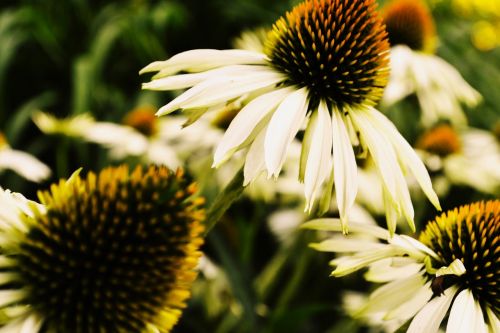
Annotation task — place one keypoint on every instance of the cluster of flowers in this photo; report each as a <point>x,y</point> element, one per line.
<point>116,251</point>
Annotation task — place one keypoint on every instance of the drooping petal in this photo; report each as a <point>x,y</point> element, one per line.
<point>318,164</point>
<point>409,308</point>
<point>254,162</point>
<point>406,153</point>
<point>465,317</point>
<point>348,264</point>
<point>24,164</point>
<point>344,166</point>
<point>384,271</point>
<point>332,224</point>
<point>246,122</point>
<point>344,244</point>
<point>283,127</point>
<point>393,294</point>
<point>430,317</point>
<point>386,161</point>
<point>202,60</point>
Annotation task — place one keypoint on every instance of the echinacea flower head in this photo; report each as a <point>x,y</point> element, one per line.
<point>143,120</point>
<point>415,69</point>
<point>323,69</point>
<point>453,268</point>
<point>112,252</point>
<point>442,140</point>
<point>467,156</point>
<point>410,23</point>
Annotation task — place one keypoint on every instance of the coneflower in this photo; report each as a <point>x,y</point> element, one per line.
<point>324,66</point>
<point>439,87</point>
<point>455,265</point>
<point>112,252</point>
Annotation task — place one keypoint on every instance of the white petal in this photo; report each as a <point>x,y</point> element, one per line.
<point>331,224</point>
<point>10,211</point>
<point>430,317</point>
<point>221,89</point>
<point>318,165</point>
<point>494,322</point>
<point>412,246</point>
<point>385,159</point>
<point>409,308</point>
<point>391,212</point>
<point>24,164</point>
<point>204,59</point>
<point>407,154</point>
<point>246,121</point>
<point>160,153</point>
<point>8,297</point>
<point>391,295</point>
<point>32,324</point>
<point>344,244</point>
<point>465,316</point>
<point>182,81</point>
<point>283,127</point>
<point>254,162</point>
<point>122,138</point>
<point>348,264</point>
<point>384,271</point>
<point>344,166</point>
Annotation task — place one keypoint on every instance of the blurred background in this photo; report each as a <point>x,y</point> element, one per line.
<point>75,57</point>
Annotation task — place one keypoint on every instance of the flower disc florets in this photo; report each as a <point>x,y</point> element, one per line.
<point>409,22</point>
<point>143,119</point>
<point>471,234</point>
<point>335,48</point>
<point>113,252</point>
<point>442,140</point>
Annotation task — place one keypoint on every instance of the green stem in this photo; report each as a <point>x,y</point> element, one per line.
<point>224,200</point>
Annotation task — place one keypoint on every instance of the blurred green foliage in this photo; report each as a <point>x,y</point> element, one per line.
<point>74,56</point>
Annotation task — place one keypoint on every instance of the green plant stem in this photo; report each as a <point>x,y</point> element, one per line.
<point>224,200</point>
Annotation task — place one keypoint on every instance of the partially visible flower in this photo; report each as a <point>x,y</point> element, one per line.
<point>439,87</point>
<point>251,40</point>
<point>24,164</point>
<point>455,264</point>
<point>466,157</point>
<point>112,252</point>
<point>325,66</point>
<point>122,140</point>
<point>141,135</point>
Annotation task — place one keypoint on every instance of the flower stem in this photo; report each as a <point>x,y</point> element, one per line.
<point>224,200</point>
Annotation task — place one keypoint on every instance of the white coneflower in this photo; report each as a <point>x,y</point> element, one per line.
<point>325,65</point>
<point>141,135</point>
<point>439,87</point>
<point>112,252</point>
<point>467,156</point>
<point>455,265</point>
<point>22,163</point>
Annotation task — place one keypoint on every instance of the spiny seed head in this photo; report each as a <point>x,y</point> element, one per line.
<point>471,234</point>
<point>336,48</point>
<point>114,252</point>
<point>409,22</point>
<point>143,119</point>
<point>441,140</point>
